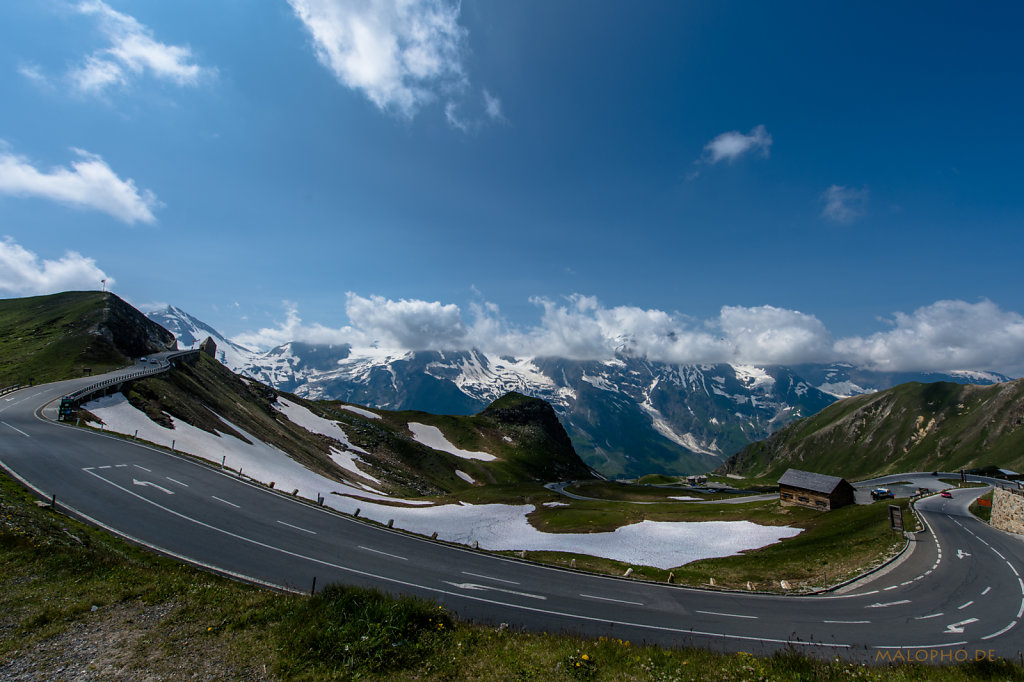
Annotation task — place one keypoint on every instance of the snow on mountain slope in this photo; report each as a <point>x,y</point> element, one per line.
<point>191,331</point>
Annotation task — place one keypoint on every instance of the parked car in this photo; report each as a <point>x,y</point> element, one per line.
<point>881,494</point>
<point>946,493</point>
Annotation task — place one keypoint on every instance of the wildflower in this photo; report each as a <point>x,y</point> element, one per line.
<point>585,657</point>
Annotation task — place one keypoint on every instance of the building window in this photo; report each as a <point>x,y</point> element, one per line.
<point>787,496</point>
<point>802,499</point>
<point>820,503</point>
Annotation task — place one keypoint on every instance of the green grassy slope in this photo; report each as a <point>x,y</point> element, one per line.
<point>48,338</point>
<point>912,427</point>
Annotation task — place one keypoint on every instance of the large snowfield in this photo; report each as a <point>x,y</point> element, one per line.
<point>493,526</point>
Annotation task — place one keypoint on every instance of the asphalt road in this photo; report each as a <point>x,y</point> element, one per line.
<point>957,594</point>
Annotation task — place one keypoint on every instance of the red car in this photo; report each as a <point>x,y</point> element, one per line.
<point>946,493</point>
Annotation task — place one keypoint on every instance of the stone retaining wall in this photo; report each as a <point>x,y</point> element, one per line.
<point>1007,511</point>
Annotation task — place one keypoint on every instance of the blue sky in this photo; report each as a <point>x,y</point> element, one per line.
<point>754,182</point>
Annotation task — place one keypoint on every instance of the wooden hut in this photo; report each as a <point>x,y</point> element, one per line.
<point>816,491</point>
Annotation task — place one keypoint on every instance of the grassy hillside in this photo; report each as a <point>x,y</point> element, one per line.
<point>48,338</point>
<point>912,427</point>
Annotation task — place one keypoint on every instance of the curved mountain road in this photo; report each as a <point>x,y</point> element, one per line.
<point>959,593</point>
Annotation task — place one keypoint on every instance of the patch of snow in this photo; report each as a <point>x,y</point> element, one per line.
<point>684,439</point>
<point>600,382</point>
<point>557,504</point>
<point>464,476</point>
<point>361,412</point>
<point>314,423</point>
<point>754,377</point>
<point>843,389</point>
<point>432,437</point>
<point>684,498</point>
<point>348,462</point>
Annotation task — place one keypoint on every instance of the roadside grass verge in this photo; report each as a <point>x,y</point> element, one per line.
<point>983,512</point>
<point>157,619</point>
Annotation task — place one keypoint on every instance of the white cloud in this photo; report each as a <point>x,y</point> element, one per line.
<point>23,274</point>
<point>947,335</point>
<point>844,205</point>
<point>451,114</point>
<point>89,183</point>
<point>492,105</point>
<point>734,144</point>
<point>399,53</point>
<point>132,51</point>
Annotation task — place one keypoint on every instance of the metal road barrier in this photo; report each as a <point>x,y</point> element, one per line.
<point>12,389</point>
<point>72,401</point>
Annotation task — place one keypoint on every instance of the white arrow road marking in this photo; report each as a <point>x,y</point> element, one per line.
<point>960,554</point>
<point>136,481</point>
<point>878,605</point>
<point>475,587</point>
<point>958,628</point>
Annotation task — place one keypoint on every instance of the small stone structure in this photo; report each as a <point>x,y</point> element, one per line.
<point>209,346</point>
<point>1007,511</point>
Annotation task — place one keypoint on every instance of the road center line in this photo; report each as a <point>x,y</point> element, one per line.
<point>727,615</point>
<point>986,591</point>
<point>184,485</point>
<point>377,551</point>
<point>16,429</point>
<point>487,577</point>
<point>848,622</point>
<point>617,601</point>
<point>964,606</point>
<point>311,532</point>
<point>892,603</point>
<point>236,506</point>
<point>396,581</point>
<point>142,467</point>
<point>934,615</point>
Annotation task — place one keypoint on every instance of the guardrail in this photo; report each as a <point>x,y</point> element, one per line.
<point>12,389</point>
<point>72,401</point>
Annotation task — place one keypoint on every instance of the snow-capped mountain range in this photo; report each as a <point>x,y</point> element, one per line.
<point>627,416</point>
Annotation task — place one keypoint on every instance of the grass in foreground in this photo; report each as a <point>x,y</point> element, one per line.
<point>77,602</point>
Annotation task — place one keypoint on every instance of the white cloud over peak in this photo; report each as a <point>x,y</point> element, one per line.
<point>399,53</point>
<point>132,51</point>
<point>946,336</point>
<point>22,273</point>
<point>843,204</point>
<point>734,144</point>
<point>89,183</point>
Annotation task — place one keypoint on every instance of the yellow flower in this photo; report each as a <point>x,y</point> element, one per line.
<point>585,657</point>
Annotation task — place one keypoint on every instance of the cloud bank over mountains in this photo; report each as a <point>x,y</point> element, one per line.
<point>943,336</point>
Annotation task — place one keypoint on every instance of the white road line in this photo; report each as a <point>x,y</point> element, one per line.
<point>1001,632</point>
<point>1020,611</point>
<point>847,622</point>
<point>184,485</point>
<point>1012,568</point>
<point>964,606</point>
<point>923,646</point>
<point>16,429</point>
<point>934,615</point>
<point>120,466</point>
<point>891,587</point>
<point>475,587</point>
<point>892,603</point>
<point>487,577</point>
<point>986,591</point>
<point>311,532</point>
<point>998,554</point>
<point>617,601</point>
<point>142,467</point>
<point>377,551</point>
<point>236,506</point>
<point>396,581</point>
<point>106,466</point>
<point>728,615</point>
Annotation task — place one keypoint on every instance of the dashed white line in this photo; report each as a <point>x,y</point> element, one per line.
<point>892,603</point>
<point>964,606</point>
<point>617,601</point>
<point>236,506</point>
<point>998,554</point>
<point>377,551</point>
<point>106,466</point>
<point>891,587</point>
<point>120,466</point>
<point>137,466</point>
<point>184,485</point>
<point>986,591</point>
<point>934,615</point>
<point>488,577</point>
<point>304,530</point>
<point>727,615</point>
<point>1012,568</point>
<point>16,429</point>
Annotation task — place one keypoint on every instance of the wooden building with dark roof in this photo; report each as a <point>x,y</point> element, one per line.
<point>816,491</point>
